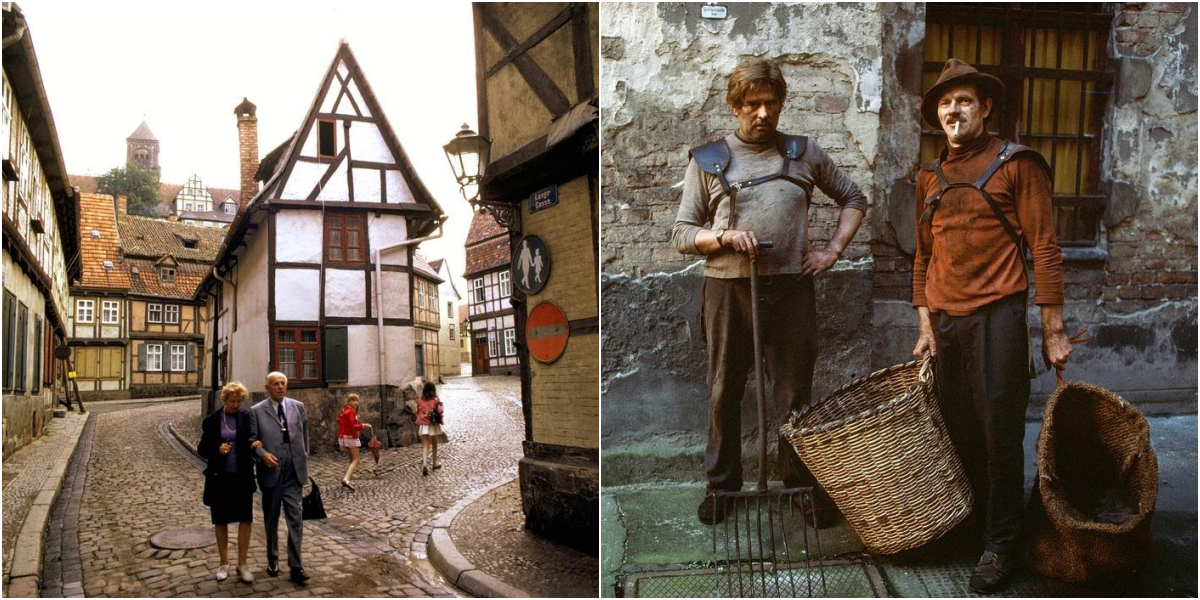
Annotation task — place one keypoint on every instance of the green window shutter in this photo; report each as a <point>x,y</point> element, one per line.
<point>10,338</point>
<point>189,354</point>
<point>142,357</point>
<point>336,354</point>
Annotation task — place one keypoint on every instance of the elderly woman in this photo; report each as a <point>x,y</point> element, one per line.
<point>229,479</point>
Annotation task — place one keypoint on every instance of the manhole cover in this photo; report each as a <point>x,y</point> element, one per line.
<point>837,578</point>
<point>183,539</point>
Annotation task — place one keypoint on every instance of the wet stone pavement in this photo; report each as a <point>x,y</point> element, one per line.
<point>135,483</point>
<point>491,534</point>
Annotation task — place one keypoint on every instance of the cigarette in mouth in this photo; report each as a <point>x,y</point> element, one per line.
<point>956,124</point>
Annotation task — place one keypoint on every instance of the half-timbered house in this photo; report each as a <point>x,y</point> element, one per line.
<point>489,287</point>
<point>167,261</point>
<point>538,76</point>
<point>40,241</point>
<point>448,338</point>
<point>98,314</point>
<point>315,278</point>
<point>427,318</point>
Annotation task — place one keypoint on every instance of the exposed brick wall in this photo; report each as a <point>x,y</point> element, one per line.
<point>248,154</point>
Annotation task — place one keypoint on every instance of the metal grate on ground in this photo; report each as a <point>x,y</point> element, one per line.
<point>831,578</point>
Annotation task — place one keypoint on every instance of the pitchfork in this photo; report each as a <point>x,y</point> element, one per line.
<point>751,566</point>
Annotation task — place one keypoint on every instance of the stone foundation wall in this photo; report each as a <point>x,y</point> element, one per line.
<point>560,494</point>
<point>25,418</point>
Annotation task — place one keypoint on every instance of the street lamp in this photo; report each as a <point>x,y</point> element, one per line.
<point>469,154</point>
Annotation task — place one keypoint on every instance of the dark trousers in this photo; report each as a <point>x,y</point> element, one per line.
<point>788,325</point>
<point>983,384</point>
<point>284,497</point>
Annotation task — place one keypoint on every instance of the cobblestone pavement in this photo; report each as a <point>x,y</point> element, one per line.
<point>372,544</point>
<point>138,484</point>
<point>491,534</point>
<point>24,473</point>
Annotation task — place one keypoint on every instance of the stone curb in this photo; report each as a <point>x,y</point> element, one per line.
<point>455,567</point>
<point>26,570</point>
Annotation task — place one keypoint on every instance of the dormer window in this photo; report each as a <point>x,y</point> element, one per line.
<point>326,139</point>
<point>230,208</point>
<point>166,274</point>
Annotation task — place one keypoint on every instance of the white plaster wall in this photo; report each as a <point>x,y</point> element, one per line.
<point>298,237</point>
<point>402,362</point>
<point>385,231</point>
<point>397,188</point>
<point>358,98</point>
<point>367,185</point>
<point>249,346</point>
<point>330,96</point>
<point>395,295</point>
<point>336,189</point>
<point>303,179</point>
<point>362,342</point>
<point>297,294</point>
<point>345,293</point>
<point>367,143</point>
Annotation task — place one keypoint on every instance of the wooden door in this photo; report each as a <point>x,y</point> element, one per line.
<point>479,354</point>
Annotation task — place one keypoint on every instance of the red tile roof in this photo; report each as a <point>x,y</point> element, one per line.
<point>154,238</point>
<point>483,226</point>
<point>148,280</point>
<point>97,214</point>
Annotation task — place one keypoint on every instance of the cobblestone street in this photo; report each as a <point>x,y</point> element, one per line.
<point>139,482</point>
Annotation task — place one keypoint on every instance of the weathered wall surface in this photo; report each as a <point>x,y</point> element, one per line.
<point>854,75</point>
<point>663,92</point>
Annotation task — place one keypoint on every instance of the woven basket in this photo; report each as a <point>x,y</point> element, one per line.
<point>880,449</point>
<point>1093,455</point>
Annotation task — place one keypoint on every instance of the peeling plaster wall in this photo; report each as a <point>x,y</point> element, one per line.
<point>663,93</point>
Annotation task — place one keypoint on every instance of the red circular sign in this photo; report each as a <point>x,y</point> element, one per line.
<point>546,332</point>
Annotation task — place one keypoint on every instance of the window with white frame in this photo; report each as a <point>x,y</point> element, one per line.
<point>154,313</point>
<point>510,342</point>
<point>505,288</point>
<point>171,313</point>
<point>154,357</point>
<point>110,312</point>
<point>493,350</point>
<point>85,311</point>
<point>178,357</point>
<point>477,283</point>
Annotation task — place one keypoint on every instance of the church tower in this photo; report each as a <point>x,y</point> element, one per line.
<point>141,149</point>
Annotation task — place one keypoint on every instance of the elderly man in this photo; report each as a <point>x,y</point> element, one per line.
<point>757,184</point>
<point>281,425</point>
<point>978,208</point>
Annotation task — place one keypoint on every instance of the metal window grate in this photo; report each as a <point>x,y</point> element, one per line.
<point>1054,64</point>
<point>830,578</point>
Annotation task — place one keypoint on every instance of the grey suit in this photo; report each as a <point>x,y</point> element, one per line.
<point>281,486</point>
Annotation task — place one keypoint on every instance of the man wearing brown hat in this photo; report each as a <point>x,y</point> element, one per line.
<point>979,207</point>
<point>757,184</point>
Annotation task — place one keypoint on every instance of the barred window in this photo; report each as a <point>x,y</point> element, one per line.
<point>1053,61</point>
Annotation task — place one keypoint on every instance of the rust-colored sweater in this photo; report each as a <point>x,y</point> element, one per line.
<point>965,260</point>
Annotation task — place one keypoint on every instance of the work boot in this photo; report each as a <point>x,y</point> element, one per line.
<point>712,510</point>
<point>991,573</point>
<point>820,512</point>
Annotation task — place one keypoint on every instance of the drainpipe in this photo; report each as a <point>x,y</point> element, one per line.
<point>379,315</point>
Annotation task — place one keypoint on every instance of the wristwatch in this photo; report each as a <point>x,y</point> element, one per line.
<point>720,234</point>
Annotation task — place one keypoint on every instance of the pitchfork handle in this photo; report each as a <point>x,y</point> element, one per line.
<point>759,384</point>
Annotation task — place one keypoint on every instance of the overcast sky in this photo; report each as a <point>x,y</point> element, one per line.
<point>184,65</point>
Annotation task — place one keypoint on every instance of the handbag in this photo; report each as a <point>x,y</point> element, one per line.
<point>311,506</point>
<point>436,417</point>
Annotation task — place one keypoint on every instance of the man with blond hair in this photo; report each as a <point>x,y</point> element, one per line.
<point>281,424</point>
<point>757,184</point>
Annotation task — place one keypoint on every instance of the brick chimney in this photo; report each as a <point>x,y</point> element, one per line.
<point>247,124</point>
<point>121,204</point>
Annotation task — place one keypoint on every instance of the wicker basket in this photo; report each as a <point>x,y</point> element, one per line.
<point>880,449</point>
<point>1093,454</point>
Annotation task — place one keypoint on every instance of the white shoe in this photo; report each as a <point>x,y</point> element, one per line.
<point>223,573</point>
<point>245,575</point>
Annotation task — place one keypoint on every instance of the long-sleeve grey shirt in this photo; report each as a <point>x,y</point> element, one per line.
<point>776,210</point>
